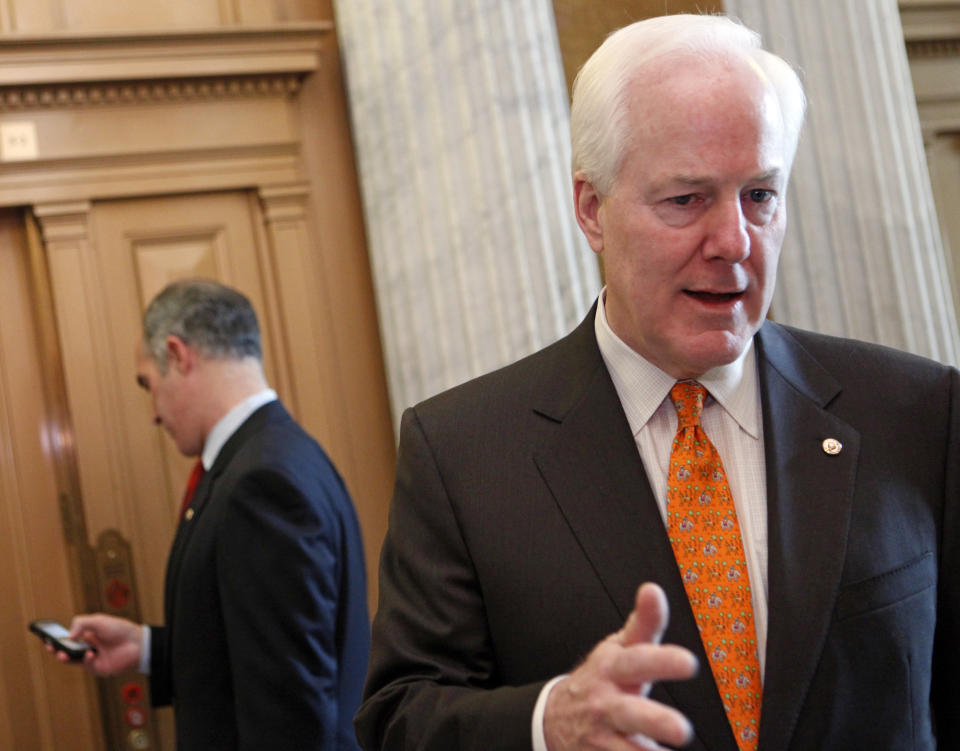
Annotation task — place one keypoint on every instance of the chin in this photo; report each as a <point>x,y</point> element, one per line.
<point>184,449</point>
<point>716,354</point>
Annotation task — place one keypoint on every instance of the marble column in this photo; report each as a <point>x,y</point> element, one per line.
<point>863,255</point>
<point>460,118</point>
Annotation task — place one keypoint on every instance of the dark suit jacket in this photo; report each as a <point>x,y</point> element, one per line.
<point>266,636</point>
<point>523,522</point>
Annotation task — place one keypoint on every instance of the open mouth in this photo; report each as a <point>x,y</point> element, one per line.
<point>713,297</point>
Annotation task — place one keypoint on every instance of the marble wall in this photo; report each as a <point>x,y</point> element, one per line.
<point>460,117</point>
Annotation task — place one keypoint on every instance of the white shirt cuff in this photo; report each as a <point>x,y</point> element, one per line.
<point>536,724</point>
<point>144,666</point>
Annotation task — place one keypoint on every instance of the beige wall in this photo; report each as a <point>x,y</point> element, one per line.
<point>583,24</point>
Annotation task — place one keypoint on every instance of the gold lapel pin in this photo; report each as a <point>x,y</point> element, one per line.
<point>832,446</point>
<point>189,515</point>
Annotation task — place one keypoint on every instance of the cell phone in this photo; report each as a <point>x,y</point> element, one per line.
<point>53,633</point>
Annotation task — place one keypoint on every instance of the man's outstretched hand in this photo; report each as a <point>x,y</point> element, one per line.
<point>603,704</point>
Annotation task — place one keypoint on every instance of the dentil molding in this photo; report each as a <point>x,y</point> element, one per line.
<point>151,113</point>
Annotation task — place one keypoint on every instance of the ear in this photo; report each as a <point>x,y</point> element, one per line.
<point>587,202</point>
<point>180,355</point>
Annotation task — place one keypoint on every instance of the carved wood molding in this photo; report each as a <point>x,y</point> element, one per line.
<point>15,98</point>
<point>84,58</point>
<point>933,48</point>
<point>148,113</point>
<point>931,28</point>
<point>931,31</point>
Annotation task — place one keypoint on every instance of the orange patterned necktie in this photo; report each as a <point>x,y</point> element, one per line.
<point>705,535</point>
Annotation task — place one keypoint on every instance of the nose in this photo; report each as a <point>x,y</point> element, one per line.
<point>727,238</point>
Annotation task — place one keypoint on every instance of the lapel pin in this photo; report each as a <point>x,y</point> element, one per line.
<point>832,446</point>
<point>189,515</point>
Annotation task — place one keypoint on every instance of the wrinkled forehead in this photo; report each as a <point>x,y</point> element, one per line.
<point>703,72</point>
<point>709,91</point>
<point>737,77</point>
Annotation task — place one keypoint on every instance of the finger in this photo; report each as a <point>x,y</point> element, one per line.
<point>91,665</point>
<point>649,722</point>
<point>649,617</point>
<point>648,663</point>
<point>611,740</point>
<point>88,636</point>
<point>645,743</point>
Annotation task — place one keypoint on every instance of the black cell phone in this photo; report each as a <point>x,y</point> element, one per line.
<point>53,633</point>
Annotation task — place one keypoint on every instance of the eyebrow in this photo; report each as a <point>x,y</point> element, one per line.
<point>698,182</point>
<point>143,383</point>
<point>768,175</point>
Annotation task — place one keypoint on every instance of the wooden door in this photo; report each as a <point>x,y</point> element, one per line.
<point>42,704</point>
<point>106,261</point>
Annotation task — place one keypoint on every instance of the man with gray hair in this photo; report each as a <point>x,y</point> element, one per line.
<point>266,636</point>
<point>791,500</point>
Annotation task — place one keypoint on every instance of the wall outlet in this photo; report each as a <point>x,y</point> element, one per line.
<point>18,141</point>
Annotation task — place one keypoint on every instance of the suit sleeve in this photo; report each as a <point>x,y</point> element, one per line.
<point>279,559</point>
<point>945,698</point>
<point>161,688</point>
<point>433,683</point>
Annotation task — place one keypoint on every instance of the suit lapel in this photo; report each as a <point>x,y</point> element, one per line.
<point>610,508</point>
<point>809,495</point>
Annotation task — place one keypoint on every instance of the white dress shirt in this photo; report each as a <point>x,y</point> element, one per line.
<point>731,419</point>
<point>225,427</point>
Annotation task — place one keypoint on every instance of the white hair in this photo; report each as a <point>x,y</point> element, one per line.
<point>598,112</point>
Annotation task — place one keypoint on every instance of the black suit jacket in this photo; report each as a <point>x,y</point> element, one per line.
<point>523,522</point>
<point>266,637</point>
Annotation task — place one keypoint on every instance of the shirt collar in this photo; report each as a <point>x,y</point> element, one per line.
<point>227,425</point>
<point>642,386</point>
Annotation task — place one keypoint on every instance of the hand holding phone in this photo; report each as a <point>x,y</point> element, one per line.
<point>59,638</point>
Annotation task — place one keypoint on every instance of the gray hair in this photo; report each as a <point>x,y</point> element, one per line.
<point>598,112</point>
<point>215,319</point>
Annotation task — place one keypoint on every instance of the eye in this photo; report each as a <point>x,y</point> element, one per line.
<point>760,205</point>
<point>682,210</point>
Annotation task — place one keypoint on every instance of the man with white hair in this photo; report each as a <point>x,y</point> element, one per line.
<point>791,500</point>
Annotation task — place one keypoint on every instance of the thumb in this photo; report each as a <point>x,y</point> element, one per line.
<point>649,617</point>
<point>77,626</point>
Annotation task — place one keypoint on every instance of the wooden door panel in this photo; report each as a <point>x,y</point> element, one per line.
<point>43,705</point>
<point>159,260</point>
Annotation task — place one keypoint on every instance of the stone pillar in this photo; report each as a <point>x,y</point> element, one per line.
<point>460,115</point>
<point>863,255</point>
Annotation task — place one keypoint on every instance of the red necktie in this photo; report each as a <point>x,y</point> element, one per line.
<point>705,535</point>
<point>196,474</point>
